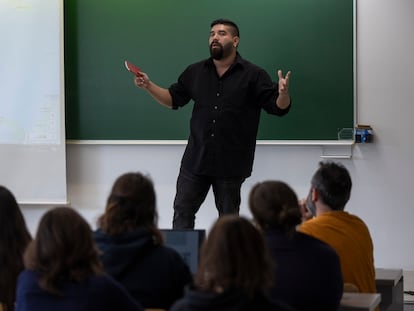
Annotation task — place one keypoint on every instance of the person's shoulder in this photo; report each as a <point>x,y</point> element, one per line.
<point>111,294</point>
<point>348,219</point>
<point>316,245</point>
<point>103,283</point>
<point>351,217</point>
<point>310,224</point>
<point>248,64</point>
<point>28,282</point>
<point>201,63</point>
<point>172,256</point>
<point>28,276</point>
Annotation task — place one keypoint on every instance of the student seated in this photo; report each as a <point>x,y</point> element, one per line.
<point>235,271</point>
<point>132,245</point>
<point>63,271</point>
<point>14,238</point>
<point>307,271</point>
<point>329,192</point>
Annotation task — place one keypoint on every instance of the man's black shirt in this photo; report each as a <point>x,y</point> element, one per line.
<point>225,115</point>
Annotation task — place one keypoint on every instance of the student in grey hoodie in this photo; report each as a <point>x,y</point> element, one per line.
<point>132,245</point>
<point>235,271</point>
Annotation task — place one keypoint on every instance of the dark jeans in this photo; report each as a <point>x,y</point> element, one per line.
<point>192,191</point>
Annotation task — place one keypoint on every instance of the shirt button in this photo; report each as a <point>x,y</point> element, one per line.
<point>212,135</point>
<point>215,107</point>
<point>214,121</point>
<point>218,94</point>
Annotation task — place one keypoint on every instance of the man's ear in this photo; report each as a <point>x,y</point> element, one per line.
<point>236,41</point>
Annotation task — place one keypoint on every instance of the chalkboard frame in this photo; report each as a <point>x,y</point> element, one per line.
<point>102,104</point>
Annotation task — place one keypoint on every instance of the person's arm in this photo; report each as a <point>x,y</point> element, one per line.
<point>160,94</point>
<point>283,100</point>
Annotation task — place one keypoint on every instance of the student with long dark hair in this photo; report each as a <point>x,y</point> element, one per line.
<point>132,245</point>
<point>235,271</point>
<point>14,238</point>
<point>63,271</point>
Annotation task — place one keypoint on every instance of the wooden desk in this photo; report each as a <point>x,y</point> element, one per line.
<point>359,302</point>
<point>390,284</point>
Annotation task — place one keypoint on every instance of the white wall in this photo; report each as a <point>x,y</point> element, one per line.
<point>382,172</point>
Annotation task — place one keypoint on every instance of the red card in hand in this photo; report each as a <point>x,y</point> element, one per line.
<point>132,68</point>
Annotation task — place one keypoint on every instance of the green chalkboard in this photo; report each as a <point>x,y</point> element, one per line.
<point>312,38</point>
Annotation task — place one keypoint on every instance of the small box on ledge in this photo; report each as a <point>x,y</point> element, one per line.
<point>363,133</point>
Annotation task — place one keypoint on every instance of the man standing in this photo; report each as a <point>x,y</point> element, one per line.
<point>228,93</point>
<point>347,234</point>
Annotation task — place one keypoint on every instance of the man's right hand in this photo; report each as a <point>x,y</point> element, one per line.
<point>306,213</point>
<point>142,80</point>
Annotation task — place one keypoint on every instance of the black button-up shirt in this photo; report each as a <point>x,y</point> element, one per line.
<point>225,115</point>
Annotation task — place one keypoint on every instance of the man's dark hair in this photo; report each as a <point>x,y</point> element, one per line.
<point>333,183</point>
<point>227,22</point>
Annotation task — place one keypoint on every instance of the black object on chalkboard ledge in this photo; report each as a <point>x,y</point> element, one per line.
<point>363,134</point>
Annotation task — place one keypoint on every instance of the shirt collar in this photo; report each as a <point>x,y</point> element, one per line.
<point>239,61</point>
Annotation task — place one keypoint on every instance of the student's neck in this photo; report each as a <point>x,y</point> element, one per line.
<point>322,209</point>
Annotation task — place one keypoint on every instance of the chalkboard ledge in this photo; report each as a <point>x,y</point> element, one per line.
<point>331,149</point>
<point>183,142</point>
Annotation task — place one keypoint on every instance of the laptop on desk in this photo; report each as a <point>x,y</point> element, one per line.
<point>187,243</point>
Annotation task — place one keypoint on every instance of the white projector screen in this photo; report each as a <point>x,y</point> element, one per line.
<point>32,131</point>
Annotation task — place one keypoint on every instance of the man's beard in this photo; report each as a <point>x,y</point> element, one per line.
<point>219,51</point>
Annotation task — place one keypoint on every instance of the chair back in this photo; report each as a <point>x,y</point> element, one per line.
<point>350,288</point>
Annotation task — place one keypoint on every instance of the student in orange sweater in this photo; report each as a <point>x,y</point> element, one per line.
<point>325,219</point>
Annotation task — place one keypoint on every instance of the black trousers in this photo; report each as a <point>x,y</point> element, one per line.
<point>192,191</point>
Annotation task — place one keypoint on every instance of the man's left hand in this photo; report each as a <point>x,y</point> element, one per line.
<point>283,83</point>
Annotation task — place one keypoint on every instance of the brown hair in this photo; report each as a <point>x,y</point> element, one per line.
<point>63,249</point>
<point>131,205</point>
<point>14,238</point>
<point>234,256</point>
<point>275,204</point>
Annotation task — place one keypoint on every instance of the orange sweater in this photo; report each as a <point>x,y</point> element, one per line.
<point>351,239</point>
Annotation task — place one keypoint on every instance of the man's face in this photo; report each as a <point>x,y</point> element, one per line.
<point>222,42</point>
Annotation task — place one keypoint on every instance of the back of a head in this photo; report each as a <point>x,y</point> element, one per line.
<point>234,256</point>
<point>275,204</point>
<point>130,205</point>
<point>14,238</point>
<point>12,224</point>
<point>63,249</point>
<point>333,183</point>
